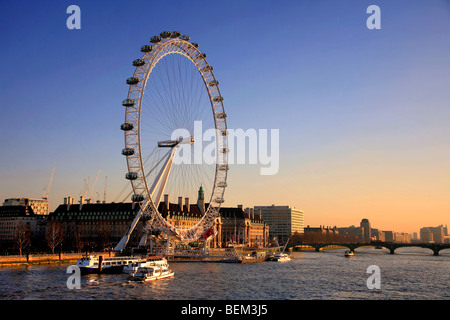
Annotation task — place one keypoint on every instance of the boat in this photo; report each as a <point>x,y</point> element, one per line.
<point>151,273</point>
<point>145,262</point>
<point>281,257</point>
<point>348,253</point>
<point>245,258</point>
<point>100,264</point>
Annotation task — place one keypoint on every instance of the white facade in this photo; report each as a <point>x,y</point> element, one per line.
<point>283,221</point>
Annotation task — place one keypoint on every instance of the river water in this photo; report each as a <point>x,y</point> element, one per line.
<point>411,273</point>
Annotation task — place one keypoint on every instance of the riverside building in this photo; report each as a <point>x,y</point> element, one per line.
<point>102,225</point>
<point>16,213</point>
<point>284,221</point>
<point>39,206</point>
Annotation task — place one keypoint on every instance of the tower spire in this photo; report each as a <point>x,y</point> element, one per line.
<point>201,200</point>
<point>201,193</point>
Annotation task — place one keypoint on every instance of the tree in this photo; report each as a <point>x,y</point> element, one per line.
<point>23,236</point>
<point>54,235</point>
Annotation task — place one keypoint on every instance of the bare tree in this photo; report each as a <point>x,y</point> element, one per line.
<point>23,236</point>
<point>54,234</point>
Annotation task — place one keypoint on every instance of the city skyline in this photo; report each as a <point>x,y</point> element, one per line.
<point>362,114</point>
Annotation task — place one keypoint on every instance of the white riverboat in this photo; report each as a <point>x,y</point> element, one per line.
<point>281,257</point>
<point>100,264</point>
<point>348,253</point>
<point>151,273</point>
<point>145,262</point>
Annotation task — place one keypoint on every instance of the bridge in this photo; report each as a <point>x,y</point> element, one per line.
<point>391,246</point>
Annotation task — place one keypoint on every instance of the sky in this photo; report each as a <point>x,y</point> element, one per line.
<point>363,115</point>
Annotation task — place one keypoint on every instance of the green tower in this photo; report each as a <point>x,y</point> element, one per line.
<point>201,200</point>
<point>201,194</point>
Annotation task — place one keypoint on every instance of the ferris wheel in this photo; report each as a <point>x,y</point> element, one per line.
<point>175,123</point>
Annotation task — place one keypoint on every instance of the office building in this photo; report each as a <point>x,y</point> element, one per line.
<point>19,213</point>
<point>39,206</point>
<point>284,221</point>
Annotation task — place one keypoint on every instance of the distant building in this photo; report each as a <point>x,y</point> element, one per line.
<point>321,229</point>
<point>284,221</point>
<point>388,236</point>
<point>39,206</point>
<point>366,230</point>
<point>378,235</point>
<point>18,211</point>
<point>433,234</point>
<point>352,231</point>
<point>402,237</point>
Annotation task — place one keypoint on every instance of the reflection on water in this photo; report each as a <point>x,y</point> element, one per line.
<point>411,273</point>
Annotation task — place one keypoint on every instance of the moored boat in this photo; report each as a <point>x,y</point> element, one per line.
<point>245,258</point>
<point>145,262</point>
<point>100,264</point>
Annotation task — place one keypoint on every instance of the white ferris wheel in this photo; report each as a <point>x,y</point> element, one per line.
<point>173,94</point>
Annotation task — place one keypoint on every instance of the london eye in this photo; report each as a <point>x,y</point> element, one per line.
<point>175,133</point>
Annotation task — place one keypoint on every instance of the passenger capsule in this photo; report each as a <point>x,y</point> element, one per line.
<point>219,200</point>
<point>175,34</point>
<point>137,198</point>
<point>138,62</point>
<point>218,99</point>
<point>222,184</point>
<point>155,39</point>
<point>128,151</point>
<point>128,102</point>
<point>224,150</point>
<point>131,175</point>
<point>213,83</point>
<point>224,167</point>
<point>195,44</point>
<point>207,68</point>
<point>126,126</point>
<point>185,38</point>
<point>132,80</point>
<point>146,48</point>
<point>200,56</point>
<point>165,34</point>
<point>221,115</point>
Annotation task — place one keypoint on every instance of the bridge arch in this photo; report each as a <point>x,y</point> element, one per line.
<point>391,246</point>
<point>434,247</point>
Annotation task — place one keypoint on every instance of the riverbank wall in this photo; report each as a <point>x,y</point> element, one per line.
<point>30,259</point>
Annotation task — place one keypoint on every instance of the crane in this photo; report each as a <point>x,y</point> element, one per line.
<point>47,189</point>
<point>104,193</point>
<point>87,191</point>
<point>95,181</point>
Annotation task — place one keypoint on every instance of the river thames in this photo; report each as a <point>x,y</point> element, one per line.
<point>410,274</point>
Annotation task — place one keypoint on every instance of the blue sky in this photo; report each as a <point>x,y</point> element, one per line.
<point>363,114</point>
